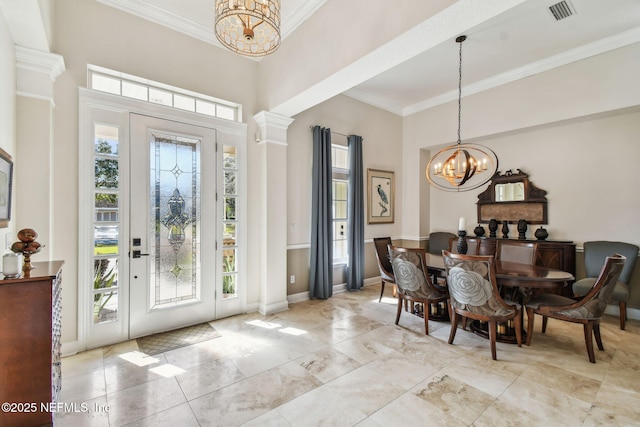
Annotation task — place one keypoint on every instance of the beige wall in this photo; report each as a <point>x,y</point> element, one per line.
<point>381,132</point>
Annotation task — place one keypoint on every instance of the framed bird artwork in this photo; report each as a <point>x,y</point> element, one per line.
<point>381,192</point>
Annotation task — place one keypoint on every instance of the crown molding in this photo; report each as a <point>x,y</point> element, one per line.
<point>586,51</point>
<point>376,101</point>
<point>143,9</point>
<point>157,15</point>
<point>47,63</point>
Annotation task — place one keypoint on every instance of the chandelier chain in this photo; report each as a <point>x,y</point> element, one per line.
<point>460,91</point>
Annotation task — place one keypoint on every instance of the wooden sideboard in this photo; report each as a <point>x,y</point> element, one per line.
<point>30,327</point>
<point>560,255</point>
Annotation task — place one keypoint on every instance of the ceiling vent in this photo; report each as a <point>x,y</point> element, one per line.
<point>562,10</point>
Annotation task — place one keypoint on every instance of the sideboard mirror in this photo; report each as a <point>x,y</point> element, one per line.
<point>512,197</point>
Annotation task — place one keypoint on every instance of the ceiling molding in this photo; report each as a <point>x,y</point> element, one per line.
<point>150,12</point>
<point>592,49</point>
<point>299,15</point>
<point>376,101</point>
<point>143,9</point>
<point>49,64</point>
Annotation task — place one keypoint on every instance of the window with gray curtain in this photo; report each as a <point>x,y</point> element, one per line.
<point>321,252</point>
<point>355,215</point>
<point>329,212</point>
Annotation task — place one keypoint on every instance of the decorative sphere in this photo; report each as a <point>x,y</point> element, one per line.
<point>17,247</point>
<point>27,235</point>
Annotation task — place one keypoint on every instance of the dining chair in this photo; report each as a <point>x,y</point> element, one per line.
<point>595,253</point>
<point>473,294</point>
<point>516,251</point>
<point>384,263</point>
<point>412,281</point>
<point>438,242</point>
<point>588,311</point>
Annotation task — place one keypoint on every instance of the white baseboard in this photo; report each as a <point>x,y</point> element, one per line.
<point>266,309</point>
<point>342,287</point>
<point>614,310</point>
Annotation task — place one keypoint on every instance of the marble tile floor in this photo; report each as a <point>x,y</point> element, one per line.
<point>343,362</point>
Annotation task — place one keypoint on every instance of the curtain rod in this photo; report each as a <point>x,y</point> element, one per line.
<point>337,133</point>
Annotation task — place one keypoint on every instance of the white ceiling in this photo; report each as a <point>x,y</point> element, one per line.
<point>524,40</point>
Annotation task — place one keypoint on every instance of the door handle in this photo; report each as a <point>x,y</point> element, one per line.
<point>138,254</point>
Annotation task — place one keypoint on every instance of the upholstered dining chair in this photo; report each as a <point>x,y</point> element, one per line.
<point>384,263</point>
<point>438,242</point>
<point>473,294</point>
<point>412,281</point>
<point>516,251</point>
<point>595,254</point>
<point>588,311</point>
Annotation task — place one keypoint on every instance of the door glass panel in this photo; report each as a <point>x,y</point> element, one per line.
<point>230,230</point>
<point>230,182</point>
<point>230,208</point>
<point>174,210</point>
<point>105,295</point>
<point>105,238</point>
<point>106,207</point>
<point>229,238</point>
<point>106,226</point>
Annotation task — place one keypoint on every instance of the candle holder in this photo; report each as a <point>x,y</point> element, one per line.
<point>462,242</point>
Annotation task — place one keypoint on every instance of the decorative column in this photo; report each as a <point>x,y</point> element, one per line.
<point>272,141</point>
<point>36,71</point>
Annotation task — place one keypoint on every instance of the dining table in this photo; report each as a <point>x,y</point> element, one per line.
<point>524,279</point>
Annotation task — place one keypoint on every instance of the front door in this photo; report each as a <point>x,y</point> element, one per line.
<point>172,225</point>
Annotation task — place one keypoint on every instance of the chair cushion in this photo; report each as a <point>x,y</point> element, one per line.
<point>549,299</point>
<point>591,310</point>
<point>582,286</point>
<point>620,291</point>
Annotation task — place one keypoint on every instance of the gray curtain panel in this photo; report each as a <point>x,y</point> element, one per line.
<point>321,260</point>
<point>355,224</point>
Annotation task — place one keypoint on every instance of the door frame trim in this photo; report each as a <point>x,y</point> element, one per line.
<point>90,101</point>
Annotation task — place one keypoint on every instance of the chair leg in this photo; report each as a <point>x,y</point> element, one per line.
<point>623,314</point>
<point>425,314</point>
<point>381,291</point>
<point>492,338</point>
<point>544,324</point>
<point>454,326</point>
<point>596,333</point>
<point>588,330</point>
<point>518,326</point>
<point>530,319</point>
<point>399,309</point>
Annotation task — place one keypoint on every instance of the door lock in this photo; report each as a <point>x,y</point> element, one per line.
<point>138,254</point>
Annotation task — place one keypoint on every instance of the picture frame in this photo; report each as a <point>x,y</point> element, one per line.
<point>6,184</point>
<point>381,195</point>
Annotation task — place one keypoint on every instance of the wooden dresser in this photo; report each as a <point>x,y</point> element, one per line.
<point>30,327</point>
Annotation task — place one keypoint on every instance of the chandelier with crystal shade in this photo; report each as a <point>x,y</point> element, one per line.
<point>461,167</point>
<point>248,27</point>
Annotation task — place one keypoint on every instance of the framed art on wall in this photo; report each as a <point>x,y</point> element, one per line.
<point>381,193</point>
<point>6,181</point>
